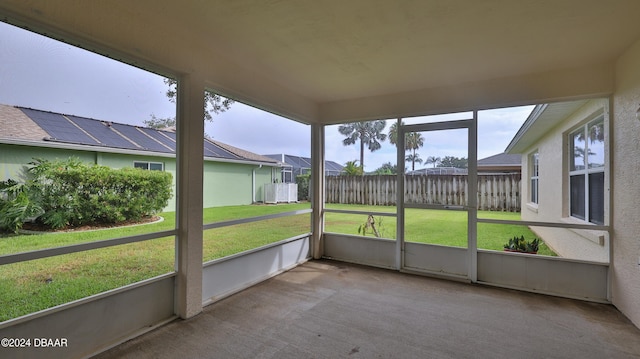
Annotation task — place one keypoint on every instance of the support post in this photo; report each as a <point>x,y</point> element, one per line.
<point>472,205</point>
<point>189,182</point>
<point>400,152</point>
<point>317,190</point>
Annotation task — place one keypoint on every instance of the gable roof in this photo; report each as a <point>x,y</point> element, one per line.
<point>50,129</point>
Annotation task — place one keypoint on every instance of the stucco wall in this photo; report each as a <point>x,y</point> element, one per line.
<point>553,187</point>
<point>626,185</point>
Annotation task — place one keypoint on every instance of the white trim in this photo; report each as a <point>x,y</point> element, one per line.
<point>533,161</point>
<point>585,172</point>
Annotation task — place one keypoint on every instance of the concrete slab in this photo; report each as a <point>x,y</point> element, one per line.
<point>328,309</point>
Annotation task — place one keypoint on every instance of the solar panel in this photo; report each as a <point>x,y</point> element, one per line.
<point>102,132</point>
<point>333,166</point>
<point>159,137</point>
<point>58,127</point>
<point>294,161</point>
<point>211,150</point>
<point>140,138</point>
<point>276,158</point>
<point>171,135</point>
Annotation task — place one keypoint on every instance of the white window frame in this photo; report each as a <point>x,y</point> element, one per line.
<point>148,165</point>
<point>587,170</point>
<point>534,180</point>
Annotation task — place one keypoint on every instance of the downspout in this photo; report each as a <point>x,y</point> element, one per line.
<point>253,184</point>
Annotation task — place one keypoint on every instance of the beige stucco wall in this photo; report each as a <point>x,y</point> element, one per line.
<point>553,197</point>
<point>626,185</point>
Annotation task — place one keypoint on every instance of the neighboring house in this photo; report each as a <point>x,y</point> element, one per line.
<point>293,166</point>
<point>500,163</point>
<point>232,176</point>
<point>566,174</point>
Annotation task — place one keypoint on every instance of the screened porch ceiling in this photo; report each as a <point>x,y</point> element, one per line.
<point>336,61</point>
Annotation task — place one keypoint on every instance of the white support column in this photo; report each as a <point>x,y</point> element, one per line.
<point>400,152</point>
<point>472,209</point>
<point>189,182</point>
<point>317,189</point>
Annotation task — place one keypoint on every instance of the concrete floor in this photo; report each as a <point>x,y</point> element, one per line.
<point>327,309</point>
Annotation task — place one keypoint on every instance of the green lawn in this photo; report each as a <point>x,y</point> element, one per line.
<point>34,285</point>
<point>434,226</point>
<point>38,284</point>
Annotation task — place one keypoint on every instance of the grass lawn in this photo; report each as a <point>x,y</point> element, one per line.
<point>34,285</point>
<point>434,226</point>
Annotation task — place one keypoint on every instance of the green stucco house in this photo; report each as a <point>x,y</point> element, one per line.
<point>232,176</point>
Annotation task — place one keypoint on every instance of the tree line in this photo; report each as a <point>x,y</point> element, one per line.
<point>370,134</point>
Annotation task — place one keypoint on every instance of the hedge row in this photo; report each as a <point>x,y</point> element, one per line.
<point>71,193</point>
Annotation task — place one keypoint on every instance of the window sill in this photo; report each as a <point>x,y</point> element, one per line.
<point>533,207</point>
<point>597,237</point>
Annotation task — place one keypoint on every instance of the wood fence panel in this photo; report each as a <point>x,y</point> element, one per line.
<point>495,192</point>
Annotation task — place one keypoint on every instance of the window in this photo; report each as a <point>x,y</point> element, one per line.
<point>152,166</point>
<point>586,172</point>
<point>533,166</point>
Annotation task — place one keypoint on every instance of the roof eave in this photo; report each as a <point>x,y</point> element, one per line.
<point>517,142</point>
<point>70,146</point>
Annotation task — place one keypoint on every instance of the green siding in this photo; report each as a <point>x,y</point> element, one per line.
<point>231,184</point>
<point>14,158</point>
<point>224,183</point>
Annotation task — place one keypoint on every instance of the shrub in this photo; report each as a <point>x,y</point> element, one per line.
<point>15,206</point>
<point>519,244</point>
<point>72,193</point>
<point>303,186</point>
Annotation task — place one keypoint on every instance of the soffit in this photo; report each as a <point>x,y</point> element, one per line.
<point>293,57</point>
<point>543,118</point>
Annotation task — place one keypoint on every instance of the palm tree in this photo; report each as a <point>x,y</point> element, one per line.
<point>433,159</point>
<point>414,140</point>
<point>393,134</point>
<point>369,133</point>
<point>351,168</point>
<point>413,158</point>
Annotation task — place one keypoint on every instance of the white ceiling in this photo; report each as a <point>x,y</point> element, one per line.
<point>337,60</point>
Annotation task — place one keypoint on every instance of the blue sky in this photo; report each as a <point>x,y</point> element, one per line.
<point>45,74</point>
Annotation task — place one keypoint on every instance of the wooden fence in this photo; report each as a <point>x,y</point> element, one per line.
<point>496,192</point>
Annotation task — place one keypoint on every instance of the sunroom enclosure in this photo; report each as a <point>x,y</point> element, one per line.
<point>194,284</point>
<point>142,306</point>
<point>605,68</point>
